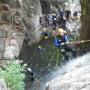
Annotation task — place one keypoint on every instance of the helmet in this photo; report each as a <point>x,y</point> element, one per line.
<point>39,47</point>
<point>29,69</point>
<point>60,31</point>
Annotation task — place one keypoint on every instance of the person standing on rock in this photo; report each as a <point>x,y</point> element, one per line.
<point>61,14</point>
<point>75,14</point>
<point>54,18</point>
<point>67,14</point>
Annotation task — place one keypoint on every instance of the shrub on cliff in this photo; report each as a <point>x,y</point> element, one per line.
<point>13,75</point>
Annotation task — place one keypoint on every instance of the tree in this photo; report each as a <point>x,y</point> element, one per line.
<point>85,20</point>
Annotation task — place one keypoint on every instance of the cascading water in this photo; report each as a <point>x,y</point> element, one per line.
<point>75,75</point>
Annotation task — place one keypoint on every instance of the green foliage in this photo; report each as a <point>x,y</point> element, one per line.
<point>12,73</point>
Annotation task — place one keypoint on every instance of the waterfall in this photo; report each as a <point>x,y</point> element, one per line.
<point>20,1</point>
<point>75,75</point>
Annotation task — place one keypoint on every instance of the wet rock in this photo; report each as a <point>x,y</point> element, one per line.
<point>5,7</point>
<point>31,14</point>
<point>3,85</point>
<point>11,52</point>
<point>13,42</point>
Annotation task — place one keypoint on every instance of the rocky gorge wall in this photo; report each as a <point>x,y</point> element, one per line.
<point>19,21</point>
<point>11,29</point>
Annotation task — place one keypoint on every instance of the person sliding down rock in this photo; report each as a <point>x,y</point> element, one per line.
<point>31,73</point>
<point>60,41</point>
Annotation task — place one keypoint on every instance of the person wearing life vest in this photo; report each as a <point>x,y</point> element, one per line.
<point>54,18</point>
<point>59,41</point>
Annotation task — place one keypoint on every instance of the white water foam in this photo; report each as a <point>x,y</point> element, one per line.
<point>76,75</point>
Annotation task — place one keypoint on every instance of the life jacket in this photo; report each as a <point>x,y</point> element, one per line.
<point>57,41</point>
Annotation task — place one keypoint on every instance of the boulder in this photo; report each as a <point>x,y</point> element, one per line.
<point>11,52</point>
<point>3,85</point>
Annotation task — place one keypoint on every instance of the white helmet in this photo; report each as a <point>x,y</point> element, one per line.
<point>29,69</point>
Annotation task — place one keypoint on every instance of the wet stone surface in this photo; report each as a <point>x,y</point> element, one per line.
<point>3,35</point>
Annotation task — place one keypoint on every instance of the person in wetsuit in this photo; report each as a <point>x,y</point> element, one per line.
<point>60,41</point>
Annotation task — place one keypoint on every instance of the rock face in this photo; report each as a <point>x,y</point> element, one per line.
<point>31,12</point>
<point>85,20</point>
<point>75,76</point>
<point>21,19</point>
<point>3,85</point>
<point>11,29</point>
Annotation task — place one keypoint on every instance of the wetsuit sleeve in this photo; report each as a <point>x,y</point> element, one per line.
<point>66,38</point>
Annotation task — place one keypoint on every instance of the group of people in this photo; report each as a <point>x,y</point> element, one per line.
<point>61,41</point>
<point>61,18</point>
<point>58,19</point>
<point>58,22</point>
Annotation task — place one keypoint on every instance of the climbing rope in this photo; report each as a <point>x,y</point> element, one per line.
<point>57,61</point>
<point>82,41</point>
